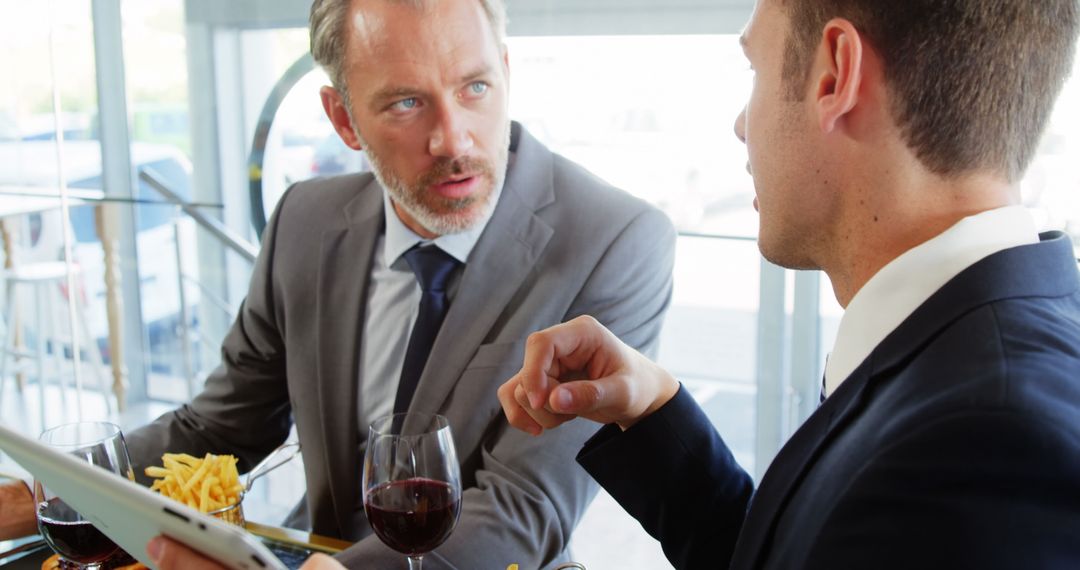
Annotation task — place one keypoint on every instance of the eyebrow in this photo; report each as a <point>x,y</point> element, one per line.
<point>391,93</point>
<point>481,71</point>
<point>387,94</point>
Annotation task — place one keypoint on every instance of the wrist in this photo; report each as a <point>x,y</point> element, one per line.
<point>16,510</point>
<point>667,387</point>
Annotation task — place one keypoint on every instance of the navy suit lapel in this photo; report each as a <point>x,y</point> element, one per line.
<point>1007,274</point>
<point>341,299</point>
<point>500,262</point>
<point>789,467</point>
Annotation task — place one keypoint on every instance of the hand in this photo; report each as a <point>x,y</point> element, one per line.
<point>16,511</point>
<point>581,369</point>
<point>168,554</point>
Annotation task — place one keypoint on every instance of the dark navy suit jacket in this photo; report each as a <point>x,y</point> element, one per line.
<point>955,444</point>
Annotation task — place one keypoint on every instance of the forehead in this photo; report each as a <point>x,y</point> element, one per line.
<point>389,37</point>
<point>767,23</point>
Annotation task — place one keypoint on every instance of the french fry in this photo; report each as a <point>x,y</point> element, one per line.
<point>206,484</point>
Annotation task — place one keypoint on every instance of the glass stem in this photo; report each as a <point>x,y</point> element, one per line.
<point>415,562</point>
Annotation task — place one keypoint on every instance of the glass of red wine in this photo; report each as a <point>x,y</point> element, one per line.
<point>412,483</point>
<point>74,538</point>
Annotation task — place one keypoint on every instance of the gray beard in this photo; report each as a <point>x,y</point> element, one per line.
<point>435,222</point>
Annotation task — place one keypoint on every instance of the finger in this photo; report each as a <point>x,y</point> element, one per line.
<point>538,363</point>
<point>169,555</point>
<point>582,397</point>
<point>320,561</point>
<point>514,409</point>
<point>544,417</point>
<point>623,398</point>
<point>549,353</point>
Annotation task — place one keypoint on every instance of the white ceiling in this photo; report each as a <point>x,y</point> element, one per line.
<point>527,17</point>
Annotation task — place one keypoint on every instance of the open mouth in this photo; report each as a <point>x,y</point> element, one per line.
<point>457,187</point>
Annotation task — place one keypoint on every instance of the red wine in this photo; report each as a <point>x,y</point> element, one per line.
<point>412,516</point>
<point>70,536</point>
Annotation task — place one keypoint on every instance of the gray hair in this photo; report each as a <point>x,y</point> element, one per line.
<point>327,29</point>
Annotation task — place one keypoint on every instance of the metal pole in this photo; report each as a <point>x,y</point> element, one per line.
<point>118,180</point>
<point>805,348</point>
<point>65,227</point>
<point>771,355</point>
<point>185,332</point>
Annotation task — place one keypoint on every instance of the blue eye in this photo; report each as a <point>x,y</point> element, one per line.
<point>406,104</point>
<point>478,87</point>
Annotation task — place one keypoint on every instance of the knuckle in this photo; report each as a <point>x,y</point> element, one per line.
<point>587,321</point>
<point>506,390</point>
<point>520,396</point>
<point>535,339</point>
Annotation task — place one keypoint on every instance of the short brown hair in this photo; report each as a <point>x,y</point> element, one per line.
<point>973,82</point>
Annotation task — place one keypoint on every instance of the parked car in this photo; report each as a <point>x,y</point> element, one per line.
<point>33,164</point>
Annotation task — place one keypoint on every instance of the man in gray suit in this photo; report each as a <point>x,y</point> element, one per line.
<point>319,341</point>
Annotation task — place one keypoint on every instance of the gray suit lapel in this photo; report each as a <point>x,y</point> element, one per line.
<point>341,299</point>
<point>503,257</point>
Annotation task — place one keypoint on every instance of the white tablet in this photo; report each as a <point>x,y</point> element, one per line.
<point>130,514</point>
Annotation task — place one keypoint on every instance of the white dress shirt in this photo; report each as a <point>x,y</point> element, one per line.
<point>392,305</point>
<point>897,289</point>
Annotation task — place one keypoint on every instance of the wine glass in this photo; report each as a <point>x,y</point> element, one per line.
<point>412,483</point>
<point>71,536</point>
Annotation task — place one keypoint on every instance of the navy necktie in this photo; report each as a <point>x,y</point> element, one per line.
<point>433,268</point>
<point>822,395</point>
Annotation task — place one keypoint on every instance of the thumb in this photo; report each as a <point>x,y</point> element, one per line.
<point>584,398</point>
<point>156,549</point>
<point>319,561</point>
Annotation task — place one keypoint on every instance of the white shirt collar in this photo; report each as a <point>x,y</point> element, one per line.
<point>399,238</point>
<point>897,289</point>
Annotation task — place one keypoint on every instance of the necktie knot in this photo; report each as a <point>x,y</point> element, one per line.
<point>432,266</point>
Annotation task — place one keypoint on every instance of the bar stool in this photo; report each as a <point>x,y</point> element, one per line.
<point>45,280</point>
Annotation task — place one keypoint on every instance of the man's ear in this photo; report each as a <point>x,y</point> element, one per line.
<point>334,106</point>
<point>838,73</point>
<point>506,61</point>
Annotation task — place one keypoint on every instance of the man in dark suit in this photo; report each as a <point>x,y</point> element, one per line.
<point>886,140</point>
<point>323,336</point>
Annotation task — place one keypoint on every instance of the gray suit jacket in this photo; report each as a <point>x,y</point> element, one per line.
<point>560,244</point>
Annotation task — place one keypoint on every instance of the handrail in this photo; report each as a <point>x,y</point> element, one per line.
<point>216,301</point>
<point>229,238</point>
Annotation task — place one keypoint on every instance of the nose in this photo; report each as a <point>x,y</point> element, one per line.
<point>450,136</point>
<point>740,126</point>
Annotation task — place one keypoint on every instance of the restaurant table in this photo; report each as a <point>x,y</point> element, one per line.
<point>291,546</point>
<point>23,200</point>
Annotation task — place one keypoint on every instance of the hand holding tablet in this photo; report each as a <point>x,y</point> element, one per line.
<point>130,515</point>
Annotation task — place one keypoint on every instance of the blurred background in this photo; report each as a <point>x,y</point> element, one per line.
<point>143,143</point>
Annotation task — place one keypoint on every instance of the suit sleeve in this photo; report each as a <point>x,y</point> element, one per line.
<point>529,493</point>
<point>247,389</point>
<point>973,490</point>
<point>673,473</point>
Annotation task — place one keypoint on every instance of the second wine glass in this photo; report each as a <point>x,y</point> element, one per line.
<point>412,483</point>
<point>70,535</point>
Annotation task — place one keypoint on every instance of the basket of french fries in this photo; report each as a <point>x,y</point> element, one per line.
<point>209,484</point>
